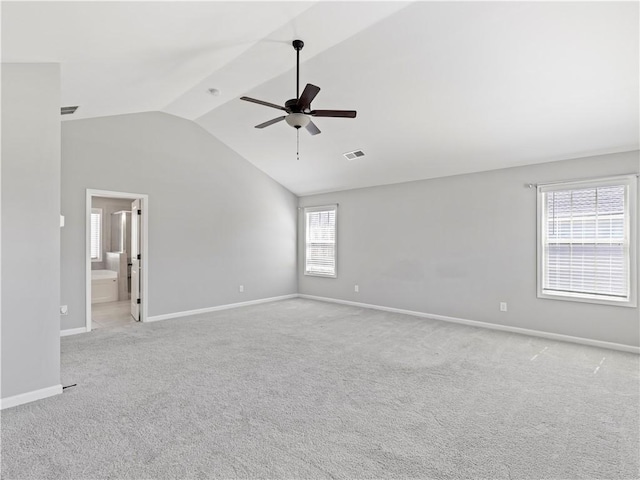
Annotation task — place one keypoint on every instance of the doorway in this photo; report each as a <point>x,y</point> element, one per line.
<point>116,258</point>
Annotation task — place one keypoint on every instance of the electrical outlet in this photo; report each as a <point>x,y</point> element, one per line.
<point>356,288</point>
<point>503,306</point>
<point>64,310</point>
<point>241,288</point>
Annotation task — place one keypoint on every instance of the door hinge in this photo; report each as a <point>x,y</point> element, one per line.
<point>138,256</point>
<point>139,212</point>
<point>138,301</point>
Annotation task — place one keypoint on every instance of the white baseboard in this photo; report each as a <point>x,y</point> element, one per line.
<point>167,316</point>
<point>463,321</point>
<point>492,326</point>
<point>72,331</point>
<point>30,396</point>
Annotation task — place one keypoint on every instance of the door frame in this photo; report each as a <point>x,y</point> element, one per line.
<point>144,248</point>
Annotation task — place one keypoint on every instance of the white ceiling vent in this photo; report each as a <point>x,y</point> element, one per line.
<point>68,110</point>
<point>353,155</point>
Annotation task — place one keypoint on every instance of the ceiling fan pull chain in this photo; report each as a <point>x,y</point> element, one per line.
<point>297,144</point>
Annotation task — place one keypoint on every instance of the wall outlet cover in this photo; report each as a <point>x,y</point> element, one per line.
<point>503,306</point>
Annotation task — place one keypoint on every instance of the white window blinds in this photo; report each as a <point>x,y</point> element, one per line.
<point>320,246</point>
<point>96,234</point>
<point>585,240</point>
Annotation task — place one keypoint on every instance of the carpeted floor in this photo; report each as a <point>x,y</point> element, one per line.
<point>304,389</point>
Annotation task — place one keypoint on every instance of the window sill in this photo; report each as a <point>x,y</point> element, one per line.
<point>584,298</point>
<point>324,275</point>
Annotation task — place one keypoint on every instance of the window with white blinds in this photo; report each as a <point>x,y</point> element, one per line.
<point>587,240</point>
<point>96,234</point>
<point>320,245</point>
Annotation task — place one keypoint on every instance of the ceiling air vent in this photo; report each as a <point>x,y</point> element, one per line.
<point>68,110</point>
<point>353,155</point>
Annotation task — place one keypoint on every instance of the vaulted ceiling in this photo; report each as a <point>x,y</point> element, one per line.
<point>441,88</point>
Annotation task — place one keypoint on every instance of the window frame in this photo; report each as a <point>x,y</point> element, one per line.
<point>322,208</point>
<point>631,232</point>
<point>97,211</point>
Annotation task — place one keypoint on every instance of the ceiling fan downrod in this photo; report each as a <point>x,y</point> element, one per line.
<point>298,44</point>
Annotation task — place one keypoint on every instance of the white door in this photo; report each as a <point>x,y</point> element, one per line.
<point>135,259</point>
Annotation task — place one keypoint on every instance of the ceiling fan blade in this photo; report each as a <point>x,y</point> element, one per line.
<point>260,102</point>
<point>309,93</point>
<point>271,122</point>
<point>312,129</point>
<point>333,113</point>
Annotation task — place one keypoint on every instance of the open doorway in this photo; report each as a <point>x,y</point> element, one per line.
<point>116,273</point>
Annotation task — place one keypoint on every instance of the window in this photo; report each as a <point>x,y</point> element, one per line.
<point>96,234</point>
<point>587,239</point>
<point>320,246</point>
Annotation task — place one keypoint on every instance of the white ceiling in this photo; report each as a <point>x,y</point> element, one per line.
<point>441,88</point>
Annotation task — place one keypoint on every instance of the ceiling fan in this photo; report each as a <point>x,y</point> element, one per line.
<point>299,109</point>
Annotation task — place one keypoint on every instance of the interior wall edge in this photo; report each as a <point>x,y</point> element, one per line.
<point>31,190</point>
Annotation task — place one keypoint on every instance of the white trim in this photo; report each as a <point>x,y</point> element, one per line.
<point>72,331</point>
<point>492,326</point>
<point>321,208</point>
<point>144,250</point>
<point>228,306</point>
<point>631,223</point>
<point>30,396</point>
<point>587,183</point>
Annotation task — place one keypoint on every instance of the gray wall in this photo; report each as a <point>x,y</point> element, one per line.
<point>459,246</point>
<point>30,227</point>
<point>215,220</point>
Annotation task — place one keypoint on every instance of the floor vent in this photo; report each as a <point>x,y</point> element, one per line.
<point>353,155</point>
<point>68,110</point>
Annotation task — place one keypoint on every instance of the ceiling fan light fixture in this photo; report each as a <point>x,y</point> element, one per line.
<point>297,120</point>
<point>298,110</point>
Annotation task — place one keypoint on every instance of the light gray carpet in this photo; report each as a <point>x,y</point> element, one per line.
<point>303,389</point>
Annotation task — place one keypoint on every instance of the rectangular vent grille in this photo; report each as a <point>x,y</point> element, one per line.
<point>68,110</point>
<point>353,155</point>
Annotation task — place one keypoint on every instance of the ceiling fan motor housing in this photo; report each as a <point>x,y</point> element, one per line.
<point>292,106</point>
